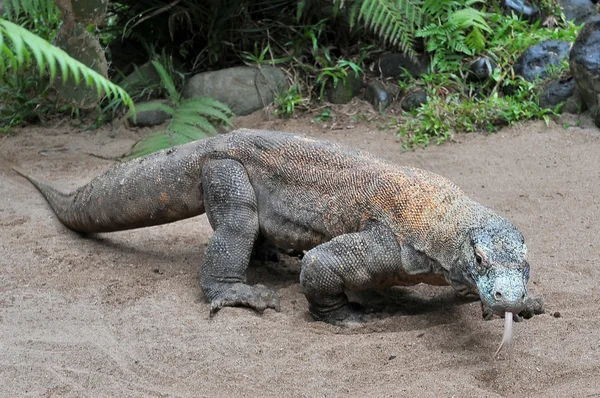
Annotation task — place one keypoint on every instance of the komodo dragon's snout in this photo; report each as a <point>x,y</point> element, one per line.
<point>496,257</point>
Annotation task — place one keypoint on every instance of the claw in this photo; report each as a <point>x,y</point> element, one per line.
<point>257,297</point>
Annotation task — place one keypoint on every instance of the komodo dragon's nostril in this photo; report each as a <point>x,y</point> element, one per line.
<point>498,295</point>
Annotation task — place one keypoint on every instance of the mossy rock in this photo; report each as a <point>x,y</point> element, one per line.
<point>84,47</point>
<point>89,11</point>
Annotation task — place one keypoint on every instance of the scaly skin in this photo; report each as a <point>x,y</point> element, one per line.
<point>366,223</point>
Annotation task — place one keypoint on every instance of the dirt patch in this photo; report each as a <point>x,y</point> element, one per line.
<point>122,314</point>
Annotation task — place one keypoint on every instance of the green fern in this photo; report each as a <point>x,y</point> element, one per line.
<point>453,27</point>
<point>192,119</point>
<point>25,44</point>
<point>43,8</point>
<point>393,21</point>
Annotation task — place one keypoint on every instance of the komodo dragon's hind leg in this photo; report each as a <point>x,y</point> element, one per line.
<point>231,208</point>
<point>355,261</point>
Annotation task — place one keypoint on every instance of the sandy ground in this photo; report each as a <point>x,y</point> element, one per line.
<point>122,314</point>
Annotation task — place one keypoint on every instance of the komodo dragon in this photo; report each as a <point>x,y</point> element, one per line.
<point>366,223</point>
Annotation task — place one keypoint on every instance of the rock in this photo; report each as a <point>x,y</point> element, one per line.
<point>345,91</point>
<point>89,11</point>
<point>414,100</point>
<point>149,117</point>
<point>585,66</point>
<point>574,104</point>
<point>378,95</point>
<point>80,44</point>
<point>142,76</point>
<point>393,65</point>
<point>558,91</point>
<point>578,11</point>
<point>537,59</point>
<point>481,69</point>
<point>244,89</point>
<point>522,8</point>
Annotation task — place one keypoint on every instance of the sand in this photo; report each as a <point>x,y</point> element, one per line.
<point>122,314</point>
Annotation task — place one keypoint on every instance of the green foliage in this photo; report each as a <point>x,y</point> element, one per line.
<point>323,116</point>
<point>441,117</point>
<point>192,119</point>
<point>393,21</point>
<point>25,44</point>
<point>288,101</point>
<point>455,105</point>
<point>333,73</point>
<point>43,9</point>
<point>454,30</point>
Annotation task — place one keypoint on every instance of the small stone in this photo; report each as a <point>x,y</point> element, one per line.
<point>149,118</point>
<point>481,69</point>
<point>557,92</point>
<point>414,100</point>
<point>378,96</point>
<point>396,65</point>
<point>556,314</point>
<point>524,9</point>
<point>344,91</point>
<point>391,357</point>
<point>574,103</point>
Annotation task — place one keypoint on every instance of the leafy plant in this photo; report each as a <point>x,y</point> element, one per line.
<point>324,116</point>
<point>454,29</point>
<point>444,115</point>
<point>393,21</point>
<point>25,44</point>
<point>288,101</point>
<point>192,119</point>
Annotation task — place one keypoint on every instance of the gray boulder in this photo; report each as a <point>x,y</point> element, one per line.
<point>536,61</point>
<point>244,89</point>
<point>578,11</point>
<point>585,66</point>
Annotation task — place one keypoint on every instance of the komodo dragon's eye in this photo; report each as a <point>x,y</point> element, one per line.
<point>480,267</point>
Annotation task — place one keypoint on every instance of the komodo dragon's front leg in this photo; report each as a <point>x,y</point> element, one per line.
<point>231,208</point>
<point>355,261</point>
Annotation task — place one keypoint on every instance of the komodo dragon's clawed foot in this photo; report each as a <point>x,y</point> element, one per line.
<point>533,306</point>
<point>348,315</point>
<point>257,297</point>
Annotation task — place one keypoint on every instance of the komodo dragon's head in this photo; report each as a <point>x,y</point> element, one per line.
<point>495,261</point>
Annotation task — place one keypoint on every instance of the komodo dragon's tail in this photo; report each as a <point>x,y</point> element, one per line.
<point>58,201</point>
<point>153,190</point>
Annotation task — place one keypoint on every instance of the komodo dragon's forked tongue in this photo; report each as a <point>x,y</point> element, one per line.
<point>507,336</point>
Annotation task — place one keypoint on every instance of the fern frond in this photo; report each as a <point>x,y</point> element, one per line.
<point>193,119</point>
<point>393,21</point>
<point>468,18</point>
<point>475,39</point>
<point>167,81</point>
<point>24,43</point>
<point>43,8</point>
